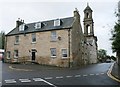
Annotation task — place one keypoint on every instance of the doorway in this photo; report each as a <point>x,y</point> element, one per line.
<point>33,55</point>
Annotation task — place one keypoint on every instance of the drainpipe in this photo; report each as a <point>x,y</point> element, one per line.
<point>5,47</point>
<point>69,47</point>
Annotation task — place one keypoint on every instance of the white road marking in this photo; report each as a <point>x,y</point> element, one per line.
<point>10,81</point>
<point>25,80</point>
<point>68,76</point>
<point>91,74</point>
<point>49,83</point>
<point>97,74</point>
<point>60,77</point>
<point>77,75</point>
<point>37,79</point>
<point>102,73</point>
<point>84,75</point>
<point>48,78</point>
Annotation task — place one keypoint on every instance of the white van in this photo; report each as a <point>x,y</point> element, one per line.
<point>1,54</point>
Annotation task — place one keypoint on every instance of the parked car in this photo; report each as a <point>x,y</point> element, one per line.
<point>1,55</point>
<point>108,61</point>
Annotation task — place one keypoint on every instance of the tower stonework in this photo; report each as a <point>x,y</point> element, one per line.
<point>91,40</point>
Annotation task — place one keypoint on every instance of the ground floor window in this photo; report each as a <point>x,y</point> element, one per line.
<point>64,53</point>
<point>53,52</point>
<point>8,54</point>
<point>15,53</point>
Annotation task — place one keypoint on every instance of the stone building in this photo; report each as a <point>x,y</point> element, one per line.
<point>90,38</point>
<point>58,42</point>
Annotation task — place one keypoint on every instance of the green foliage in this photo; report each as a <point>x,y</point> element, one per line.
<point>2,39</point>
<point>116,38</point>
<point>113,58</point>
<point>102,55</point>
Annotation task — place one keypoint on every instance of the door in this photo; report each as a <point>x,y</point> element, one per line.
<point>33,55</point>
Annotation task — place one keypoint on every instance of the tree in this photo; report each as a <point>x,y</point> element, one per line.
<point>113,58</point>
<point>2,39</point>
<point>102,55</point>
<point>116,41</point>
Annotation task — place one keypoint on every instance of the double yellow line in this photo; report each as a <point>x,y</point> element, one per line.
<point>110,75</point>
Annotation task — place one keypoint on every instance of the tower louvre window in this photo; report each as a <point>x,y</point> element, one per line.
<point>57,22</point>
<point>88,29</point>
<point>88,16</point>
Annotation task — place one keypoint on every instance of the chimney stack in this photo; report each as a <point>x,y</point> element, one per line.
<point>19,22</point>
<point>76,14</point>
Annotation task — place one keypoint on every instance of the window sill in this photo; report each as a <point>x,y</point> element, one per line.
<point>15,57</point>
<point>64,57</point>
<point>53,56</point>
<point>33,42</point>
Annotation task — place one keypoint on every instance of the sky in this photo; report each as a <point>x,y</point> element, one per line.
<point>42,10</point>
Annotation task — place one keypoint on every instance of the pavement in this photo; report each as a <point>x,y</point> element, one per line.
<point>116,71</point>
<point>27,67</point>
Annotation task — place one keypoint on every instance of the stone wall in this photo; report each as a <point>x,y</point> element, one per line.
<point>42,45</point>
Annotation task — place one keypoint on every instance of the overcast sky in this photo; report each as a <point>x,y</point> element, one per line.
<point>41,10</point>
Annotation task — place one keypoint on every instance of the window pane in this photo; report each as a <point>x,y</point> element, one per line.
<point>38,25</point>
<point>64,52</point>
<point>53,36</point>
<point>15,53</point>
<point>16,39</point>
<point>53,51</point>
<point>8,54</point>
<point>57,22</point>
<point>33,37</point>
<point>21,27</point>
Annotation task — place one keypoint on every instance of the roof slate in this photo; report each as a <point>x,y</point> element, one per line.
<point>47,26</point>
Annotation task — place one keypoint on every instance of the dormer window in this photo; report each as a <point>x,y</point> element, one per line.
<point>22,27</point>
<point>38,25</point>
<point>57,22</point>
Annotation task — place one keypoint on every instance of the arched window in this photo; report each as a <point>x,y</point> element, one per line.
<point>87,15</point>
<point>88,29</point>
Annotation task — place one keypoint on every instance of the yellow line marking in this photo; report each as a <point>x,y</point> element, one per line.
<point>110,75</point>
<point>19,69</point>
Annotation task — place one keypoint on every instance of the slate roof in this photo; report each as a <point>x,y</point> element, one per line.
<point>47,26</point>
<point>87,8</point>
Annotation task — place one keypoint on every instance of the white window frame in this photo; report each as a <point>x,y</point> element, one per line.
<point>38,25</point>
<point>16,53</point>
<point>8,54</point>
<point>53,36</point>
<point>22,27</point>
<point>64,53</point>
<point>57,22</point>
<point>33,37</point>
<point>52,54</point>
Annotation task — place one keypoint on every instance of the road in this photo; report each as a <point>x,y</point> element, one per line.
<point>0,73</point>
<point>95,74</point>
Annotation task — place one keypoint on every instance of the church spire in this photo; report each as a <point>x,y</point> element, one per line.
<point>87,4</point>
